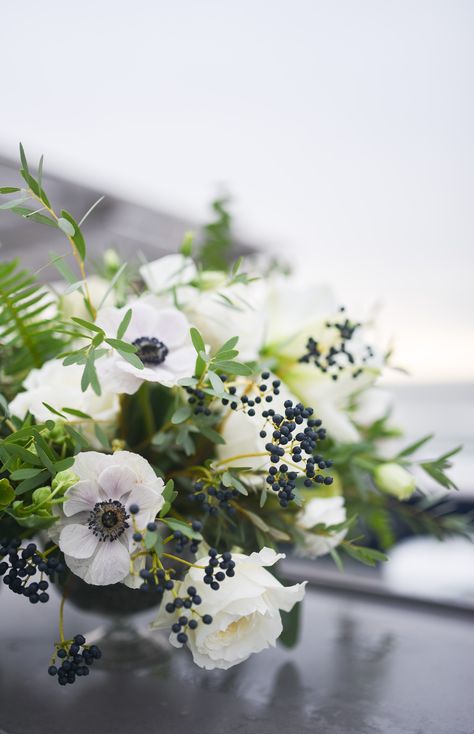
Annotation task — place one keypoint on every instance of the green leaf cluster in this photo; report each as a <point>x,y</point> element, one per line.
<point>27,334</point>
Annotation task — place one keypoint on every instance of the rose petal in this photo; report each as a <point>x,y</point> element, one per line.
<point>77,541</point>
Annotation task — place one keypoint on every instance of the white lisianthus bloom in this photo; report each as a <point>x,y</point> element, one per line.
<point>394,479</point>
<point>220,312</point>
<point>94,530</point>
<point>371,405</point>
<point>163,343</point>
<point>330,398</point>
<point>170,271</point>
<point>342,364</point>
<point>60,387</point>
<point>326,511</point>
<point>245,611</point>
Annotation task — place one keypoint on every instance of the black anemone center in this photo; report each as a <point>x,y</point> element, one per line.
<point>108,520</point>
<point>150,350</point>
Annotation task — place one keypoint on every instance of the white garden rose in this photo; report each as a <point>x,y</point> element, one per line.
<point>94,529</point>
<point>60,387</point>
<point>163,343</point>
<point>245,611</point>
<point>325,511</point>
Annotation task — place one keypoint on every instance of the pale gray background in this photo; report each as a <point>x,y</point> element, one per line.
<point>344,129</point>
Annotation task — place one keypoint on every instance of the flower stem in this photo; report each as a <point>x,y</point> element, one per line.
<point>75,252</point>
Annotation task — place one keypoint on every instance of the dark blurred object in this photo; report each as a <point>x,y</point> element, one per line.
<point>129,228</point>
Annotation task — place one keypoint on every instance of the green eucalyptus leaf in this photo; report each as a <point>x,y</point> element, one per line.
<point>181,415</point>
<point>183,528</point>
<point>124,324</point>
<point>132,358</point>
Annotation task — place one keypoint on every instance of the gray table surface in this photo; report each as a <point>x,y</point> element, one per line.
<point>364,664</point>
<point>360,667</point>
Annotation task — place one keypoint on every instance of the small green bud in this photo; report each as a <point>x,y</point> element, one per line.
<point>395,480</point>
<point>7,493</point>
<point>111,259</point>
<point>211,279</point>
<point>63,480</point>
<point>40,495</point>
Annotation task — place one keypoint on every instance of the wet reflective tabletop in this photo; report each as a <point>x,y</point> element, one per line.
<point>361,666</point>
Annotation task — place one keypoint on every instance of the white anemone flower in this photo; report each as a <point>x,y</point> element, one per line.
<point>163,343</point>
<point>94,529</point>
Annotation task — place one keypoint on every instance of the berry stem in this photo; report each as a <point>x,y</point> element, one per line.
<point>181,560</point>
<point>61,620</point>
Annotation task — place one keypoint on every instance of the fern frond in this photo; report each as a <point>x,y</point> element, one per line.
<point>24,302</point>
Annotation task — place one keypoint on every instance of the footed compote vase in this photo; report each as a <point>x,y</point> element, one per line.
<point>124,644</point>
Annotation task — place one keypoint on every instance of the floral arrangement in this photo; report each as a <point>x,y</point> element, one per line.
<point>172,426</point>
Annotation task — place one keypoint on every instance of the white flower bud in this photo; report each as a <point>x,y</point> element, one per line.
<point>395,480</point>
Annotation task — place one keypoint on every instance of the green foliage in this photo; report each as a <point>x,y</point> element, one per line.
<point>27,336</point>
<point>436,468</point>
<point>215,250</point>
<point>367,556</point>
<point>38,474</point>
<point>291,626</point>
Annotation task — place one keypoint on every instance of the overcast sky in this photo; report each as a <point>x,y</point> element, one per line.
<point>344,130</point>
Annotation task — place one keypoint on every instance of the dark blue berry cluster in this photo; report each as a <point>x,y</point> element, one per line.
<point>76,658</point>
<point>24,563</point>
<point>218,567</point>
<point>293,436</point>
<point>182,541</point>
<point>213,498</point>
<point>200,400</point>
<point>296,435</point>
<point>154,576</point>
<point>339,355</point>
<point>189,617</point>
<point>266,394</point>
